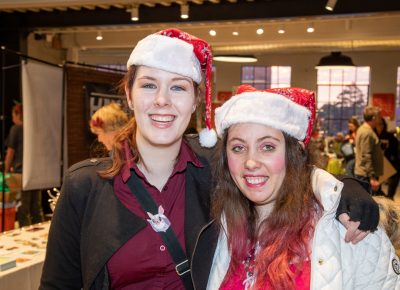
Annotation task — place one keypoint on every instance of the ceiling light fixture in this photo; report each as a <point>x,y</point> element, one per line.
<point>212,32</point>
<point>330,5</point>
<point>281,30</point>
<point>135,13</point>
<point>184,11</point>
<point>260,31</point>
<point>99,35</point>
<point>336,60</point>
<point>310,28</point>
<point>235,58</point>
<point>235,33</point>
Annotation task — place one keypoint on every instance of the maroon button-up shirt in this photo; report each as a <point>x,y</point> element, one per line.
<point>144,261</point>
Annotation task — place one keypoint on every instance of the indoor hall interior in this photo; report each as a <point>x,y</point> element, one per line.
<point>277,43</point>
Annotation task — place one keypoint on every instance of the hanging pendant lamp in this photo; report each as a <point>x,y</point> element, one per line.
<point>336,60</point>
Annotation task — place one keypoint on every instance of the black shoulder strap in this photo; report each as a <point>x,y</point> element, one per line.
<point>169,237</point>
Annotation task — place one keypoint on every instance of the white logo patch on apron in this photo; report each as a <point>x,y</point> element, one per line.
<point>159,222</point>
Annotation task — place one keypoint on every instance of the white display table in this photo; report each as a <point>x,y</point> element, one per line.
<point>28,247</point>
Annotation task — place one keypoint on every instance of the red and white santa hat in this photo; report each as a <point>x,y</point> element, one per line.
<point>178,52</point>
<point>291,110</point>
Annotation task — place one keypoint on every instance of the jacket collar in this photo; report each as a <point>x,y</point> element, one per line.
<point>326,188</point>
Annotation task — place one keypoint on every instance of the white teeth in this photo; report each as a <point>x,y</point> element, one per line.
<point>256,180</point>
<point>159,118</point>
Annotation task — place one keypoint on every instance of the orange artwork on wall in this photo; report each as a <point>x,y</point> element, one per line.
<point>386,102</point>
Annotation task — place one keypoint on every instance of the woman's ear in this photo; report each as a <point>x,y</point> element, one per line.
<point>128,98</point>
<point>302,144</point>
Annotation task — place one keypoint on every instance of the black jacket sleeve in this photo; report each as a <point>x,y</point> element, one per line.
<point>358,203</point>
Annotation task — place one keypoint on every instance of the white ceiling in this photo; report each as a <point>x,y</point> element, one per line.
<point>361,32</point>
<point>355,33</point>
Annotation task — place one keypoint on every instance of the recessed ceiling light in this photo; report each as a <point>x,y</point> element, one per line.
<point>212,32</point>
<point>99,35</point>
<point>281,30</point>
<point>184,11</point>
<point>310,28</point>
<point>235,33</point>
<point>135,13</point>
<point>260,31</point>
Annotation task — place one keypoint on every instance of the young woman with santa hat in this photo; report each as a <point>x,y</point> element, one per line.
<point>132,222</point>
<point>270,230</point>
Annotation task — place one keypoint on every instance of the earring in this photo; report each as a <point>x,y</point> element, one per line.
<point>193,109</point>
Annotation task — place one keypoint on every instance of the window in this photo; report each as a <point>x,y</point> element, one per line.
<point>341,94</point>
<point>265,77</point>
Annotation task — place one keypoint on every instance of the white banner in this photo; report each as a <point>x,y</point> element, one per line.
<point>42,105</point>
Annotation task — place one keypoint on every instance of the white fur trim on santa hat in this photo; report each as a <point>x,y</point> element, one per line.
<point>167,53</point>
<point>208,138</point>
<point>264,108</point>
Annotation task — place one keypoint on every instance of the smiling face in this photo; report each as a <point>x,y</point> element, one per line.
<point>162,103</point>
<point>256,160</point>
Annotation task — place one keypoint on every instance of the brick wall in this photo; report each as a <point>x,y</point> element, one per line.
<point>78,134</point>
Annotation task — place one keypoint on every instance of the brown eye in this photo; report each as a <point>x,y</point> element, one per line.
<point>238,148</point>
<point>268,147</point>
<point>149,86</point>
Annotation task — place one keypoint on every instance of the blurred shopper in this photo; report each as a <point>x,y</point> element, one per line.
<point>348,146</point>
<point>106,122</point>
<point>369,154</point>
<point>390,147</point>
<point>30,210</point>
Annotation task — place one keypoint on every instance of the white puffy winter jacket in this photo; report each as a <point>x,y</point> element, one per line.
<point>335,265</point>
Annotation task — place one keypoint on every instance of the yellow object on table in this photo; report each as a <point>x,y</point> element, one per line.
<point>335,166</point>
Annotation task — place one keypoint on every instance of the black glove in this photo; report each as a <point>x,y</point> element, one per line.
<point>357,202</point>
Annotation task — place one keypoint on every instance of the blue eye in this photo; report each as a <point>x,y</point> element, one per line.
<point>178,88</point>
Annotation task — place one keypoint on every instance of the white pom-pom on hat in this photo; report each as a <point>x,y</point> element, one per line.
<point>208,138</point>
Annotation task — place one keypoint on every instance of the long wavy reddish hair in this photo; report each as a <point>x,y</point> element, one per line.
<point>284,236</point>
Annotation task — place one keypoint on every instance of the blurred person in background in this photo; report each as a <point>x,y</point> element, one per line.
<point>390,147</point>
<point>348,146</point>
<point>106,122</point>
<point>369,154</point>
<point>30,210</point>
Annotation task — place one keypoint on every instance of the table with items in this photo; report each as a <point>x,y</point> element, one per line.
<point>22,253</point>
